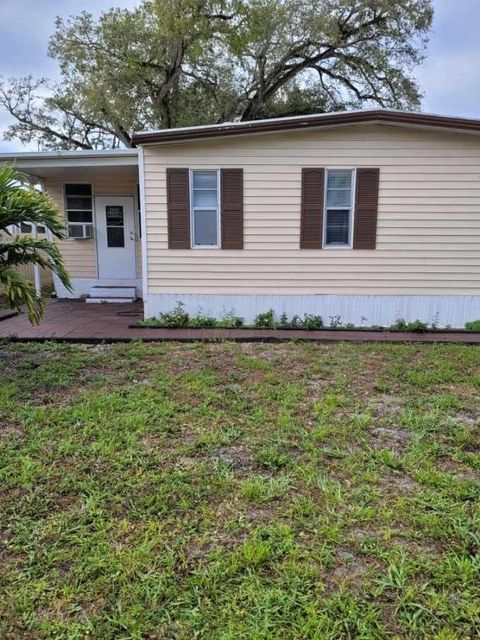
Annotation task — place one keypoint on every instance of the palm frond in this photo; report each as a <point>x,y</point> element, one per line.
<point>20,202</point>
<point>28,250</point>
<point>20,294</point>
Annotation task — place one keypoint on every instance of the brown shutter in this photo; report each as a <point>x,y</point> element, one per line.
<point>178,208</point>
<point>232,208</point>
<point>311,232</point>
<point>366,208</point>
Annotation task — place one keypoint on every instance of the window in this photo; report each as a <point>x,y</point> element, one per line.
<point>79,210</point>
<point>115,226</point>
<point>204,210</point>
<point>26,227</point>
<point>338,218</point>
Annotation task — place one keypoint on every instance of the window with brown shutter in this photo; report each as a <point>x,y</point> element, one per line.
<point>196,218</point>
<point>178,208</point>
<point>311,224</point>
<point>232,208</point>
<point>366,208</point>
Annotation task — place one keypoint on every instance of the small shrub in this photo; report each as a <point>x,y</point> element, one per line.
<point>283,321</point>
<point>417,326</point>
<point>312,322</point>
<point>149,322</point>
<point>335,321</point>
<point>265,320</point>
<point>178,317</point>
<point>473,325</point>
<point>201,321</point>
<point>230,321</point>
<point>296,322</point>
<point>399,325</point>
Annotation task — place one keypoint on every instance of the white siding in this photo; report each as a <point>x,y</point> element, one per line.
<point>428,239</point>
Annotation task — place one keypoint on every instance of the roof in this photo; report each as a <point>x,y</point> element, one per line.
<point>48,163</point>
<point>369,116</point>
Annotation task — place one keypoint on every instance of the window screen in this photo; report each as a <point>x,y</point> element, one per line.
<point>338,208</point>
<point>204,208</point>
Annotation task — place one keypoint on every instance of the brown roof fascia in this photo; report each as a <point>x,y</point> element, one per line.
<point>321,120</point>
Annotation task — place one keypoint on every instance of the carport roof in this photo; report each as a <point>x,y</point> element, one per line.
<point>44,164</point>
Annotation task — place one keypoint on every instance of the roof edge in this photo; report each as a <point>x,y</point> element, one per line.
<point>382,116</point>
<point>78,153</point>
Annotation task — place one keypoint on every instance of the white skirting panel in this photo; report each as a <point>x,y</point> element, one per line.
<point>82,286</point>
<point>359,310</point>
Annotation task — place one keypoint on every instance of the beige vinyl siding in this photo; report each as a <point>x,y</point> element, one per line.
<point>428,238</point>
<point>80,255</point>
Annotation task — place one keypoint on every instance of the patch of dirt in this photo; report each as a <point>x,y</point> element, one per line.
<point>467,419</point>
<point>460,471</point>
<point>237,456</point>
<point>398,482</point>
<point>363,534</point>
<point>386,406</point>
<point>350,568</point>
<point>10,429</point>
<point>185,463</point>
<point>261,514</point>
<point>151,442</point>
<point>391,437</point>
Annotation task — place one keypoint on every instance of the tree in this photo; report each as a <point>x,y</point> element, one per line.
<point>181,62</point>
<point>21,202</point>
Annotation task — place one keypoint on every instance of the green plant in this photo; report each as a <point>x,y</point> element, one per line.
<point>178,317</point>
<point>296,322</point>
<point>230,321</point>
<point>283,321</point>
<point>201,321</point>
<point>417,326</point>
<point>20,202</point>
<point>312,322</point>
<point>265,320</point>
<point>473,325</point>
<point>399,325</point>
<point>335,321</point>
<point>149,322</point>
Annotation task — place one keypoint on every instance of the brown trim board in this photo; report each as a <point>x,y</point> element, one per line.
<point>381,116</point>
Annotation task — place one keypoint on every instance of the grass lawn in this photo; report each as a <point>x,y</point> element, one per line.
<point>239,492</point>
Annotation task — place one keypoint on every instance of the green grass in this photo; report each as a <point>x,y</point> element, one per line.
<point>246,492</point>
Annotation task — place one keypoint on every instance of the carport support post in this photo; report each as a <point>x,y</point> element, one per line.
<point>37,276</point>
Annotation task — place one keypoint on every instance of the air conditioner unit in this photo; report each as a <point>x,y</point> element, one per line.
<point>80,231</point>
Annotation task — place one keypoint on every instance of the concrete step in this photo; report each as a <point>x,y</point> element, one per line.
<point>115,300</point>
<point>112,292</point>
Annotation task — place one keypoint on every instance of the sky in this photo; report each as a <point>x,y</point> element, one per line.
<point>449,78</point>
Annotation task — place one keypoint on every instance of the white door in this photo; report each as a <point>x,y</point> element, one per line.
<point>115,237</point>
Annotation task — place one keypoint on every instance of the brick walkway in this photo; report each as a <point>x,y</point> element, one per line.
<point>72,320</point>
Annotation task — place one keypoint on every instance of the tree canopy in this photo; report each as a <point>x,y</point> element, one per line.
<point>171,63</point>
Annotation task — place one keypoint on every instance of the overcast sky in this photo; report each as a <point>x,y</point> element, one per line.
<point>450,77</point>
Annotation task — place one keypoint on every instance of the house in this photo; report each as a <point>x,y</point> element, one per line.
<point>367,215</point>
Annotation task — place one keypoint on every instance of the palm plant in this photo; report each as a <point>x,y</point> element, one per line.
<point>21,202</point>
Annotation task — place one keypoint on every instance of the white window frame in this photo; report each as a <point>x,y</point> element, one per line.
<point>84,225</point>
<point>192,209</point>
<point>352,210</point>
